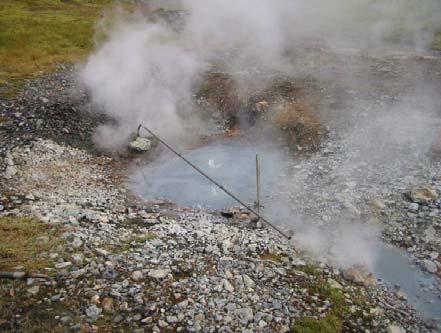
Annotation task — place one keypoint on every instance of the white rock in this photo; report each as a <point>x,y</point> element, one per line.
<point>158,273</point>
<point>248,281</point>
<point>395,329</point>
<point>33,291</point>
<point>413,207</point>
<point>434,255</point>
<point>137,276</point>
<point>101,252</point>
<point>140,144</point>
<point>10,172</point>
<point>334,284</point>
<point>245,314</point>
<point>430,266</point>
<point>93,312</point>
<point>227,286</point>
<point>401,295</point>
<point>423,194</point>
<point>76,243</point>
<point>62,265</point>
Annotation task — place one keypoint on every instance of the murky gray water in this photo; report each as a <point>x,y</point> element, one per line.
<point>232,163</point>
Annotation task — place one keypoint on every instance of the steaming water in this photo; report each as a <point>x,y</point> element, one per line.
<point>232,163</point>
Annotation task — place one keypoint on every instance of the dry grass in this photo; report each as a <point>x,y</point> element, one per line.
<point>299,121</point>
<point>23,240</point>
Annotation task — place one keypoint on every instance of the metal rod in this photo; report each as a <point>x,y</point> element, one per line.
<point>258,183</point>
<point>214,182</point>
<point>21,275</point>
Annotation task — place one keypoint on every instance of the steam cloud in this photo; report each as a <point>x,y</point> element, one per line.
<point>146,72</point>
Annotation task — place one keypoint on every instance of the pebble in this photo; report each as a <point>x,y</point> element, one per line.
<point>137,276</point>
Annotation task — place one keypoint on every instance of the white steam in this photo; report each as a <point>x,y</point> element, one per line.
<point>146,72</point>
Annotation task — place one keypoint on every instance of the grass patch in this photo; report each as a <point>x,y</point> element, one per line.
<point>149,236</point>
<point>272,257</point>
<point>23,240</point>
<point>310,270</point>
<point>35,35</point>
<point>436,44</point>
<point>338,315</point>
<point>328,324</point>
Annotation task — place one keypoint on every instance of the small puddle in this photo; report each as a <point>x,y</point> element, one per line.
<point>231,162</point>
<point>394,266</point>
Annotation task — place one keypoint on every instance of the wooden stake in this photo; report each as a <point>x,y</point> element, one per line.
<point>258,183</point>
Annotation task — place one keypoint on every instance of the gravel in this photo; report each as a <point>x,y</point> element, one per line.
<point>148,266</point>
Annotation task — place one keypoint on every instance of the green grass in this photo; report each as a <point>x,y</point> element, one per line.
<point>35,35</point>
<point>436,45</point>
<point>20,244</point>
<point>338,313</point>
<point>142,238</point>
<point>328,324</point>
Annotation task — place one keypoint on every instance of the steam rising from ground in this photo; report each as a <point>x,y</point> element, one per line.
<point>146,72</point>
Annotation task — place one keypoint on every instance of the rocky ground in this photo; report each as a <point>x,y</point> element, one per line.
<point>129,265</point>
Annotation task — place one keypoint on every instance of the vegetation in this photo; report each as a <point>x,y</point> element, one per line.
<point>35,35</point>
<point>23,242</point>
<point>272,257</point>
<point>436,45</point>
<point>338,315</point>
<point>142,238</point>
<point>328,324</point>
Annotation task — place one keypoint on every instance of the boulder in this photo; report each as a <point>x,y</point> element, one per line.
<point>395,329</point>
<point>424,194</point>
<point>159,273</point>
<point>429,266</point>
<point>140,145</point>
<point>359,275</point>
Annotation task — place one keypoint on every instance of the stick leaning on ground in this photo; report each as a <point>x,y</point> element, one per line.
<point>21,276</point>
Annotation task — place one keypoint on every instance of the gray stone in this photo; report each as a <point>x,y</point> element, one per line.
<point>137,276</point>
<point>395,329</point>
<point>78,273</point>
<point>93,312</point>
<point>359,275</point>
<point>33,291</point>
<point>230,306</point>
<point>78,258</point>
<point>401,295</point>
<point>62,265</point>
<point>429,266</point>
<point>76,243</point>
<point>227,286</point>
<point>140,145</point>
<point>423,194</point>
<point>413,207</point>
<point>172,319</point>
<point>434,255</point>
<point>245,314</point>
<point>248,281</point>
<point>158,273</point>
<point>102,252</point>
<point>10,171</point>
<point>334,284</point>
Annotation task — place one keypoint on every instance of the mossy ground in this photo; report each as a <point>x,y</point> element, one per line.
<point>23,241</point>
<point>436,45</point>
<point>338,317</point>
